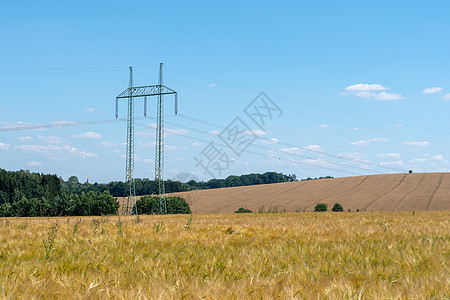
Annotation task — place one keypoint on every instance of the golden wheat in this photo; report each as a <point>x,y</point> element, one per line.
<point>365,255</point>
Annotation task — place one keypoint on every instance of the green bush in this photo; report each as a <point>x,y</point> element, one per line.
<point>337,207</point>
<point>149,205</point>
<point>321,207</point>
<point>243,211</point>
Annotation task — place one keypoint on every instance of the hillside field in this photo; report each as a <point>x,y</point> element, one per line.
<point>368,255</point>
<point>392,192</point>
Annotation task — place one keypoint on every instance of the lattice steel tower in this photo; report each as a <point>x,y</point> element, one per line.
<point>143,91</point>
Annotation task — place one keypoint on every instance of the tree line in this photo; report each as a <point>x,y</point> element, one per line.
<point>26,194</point>
<point>148,187</point>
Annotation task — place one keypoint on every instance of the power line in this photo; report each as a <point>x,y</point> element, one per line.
<point>253,152</point>
<point>296,146</point>
<point>308,103</point>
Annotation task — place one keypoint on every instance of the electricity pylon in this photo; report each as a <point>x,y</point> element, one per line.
<point>143,91</point>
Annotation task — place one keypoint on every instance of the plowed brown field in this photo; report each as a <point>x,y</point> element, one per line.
<point>392,192</point>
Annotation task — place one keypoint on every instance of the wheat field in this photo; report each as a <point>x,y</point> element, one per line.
<point>364,255</point>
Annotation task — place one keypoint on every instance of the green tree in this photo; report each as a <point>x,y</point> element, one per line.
<point>321,207</point>
<point>73,179</point>
<point>149,205</point>
<point>337,207</point>
<point>243,211</point>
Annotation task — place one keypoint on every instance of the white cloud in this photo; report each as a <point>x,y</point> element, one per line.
<point>25,138</point>
<point>383,96</point>
<point>427,158</point>
<point>418,160</point>
<point>392,163</point>
<point>34,164</point>
<point>367,142</point>
<point>315,148</point>
<point>322,126</point>
<point>389,155</point>
<point>399,125</point>
<point>148,161</point>
<point>417,144</point>
<point>108,144</point>
<point>365,94</point>
<point>2,108</point>
<point>371,91</point>
<point>256,132</point>
<point>148,145</point>
<point>296,150</point>
<point>196,144</point>
<point>168,147</point>
<point>355,128</point>
<point>270,141</point>
<point>90,109</point>
<point>4,146</point>
<point>88,135</point>
<point>212,85</point>
<point>446,97</point>
<point>365,87</point>
<point>169,131</point>
<point>215,132</point>
<point>360,143</point>
<point>378,140</point>
<point>77,152</point>
<point>50,139</point>
<point>39,149</point>
<point>352,155</point>
<point>180,158</point>
<point>55,152</point>
<point>432,90</point>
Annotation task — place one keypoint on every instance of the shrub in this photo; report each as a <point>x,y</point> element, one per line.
<point>337,207</point>
<point>321,207</point>
<point>243,211</point>
<point>149,205</point>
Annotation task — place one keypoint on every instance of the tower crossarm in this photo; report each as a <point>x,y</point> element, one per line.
<point>149,90</point>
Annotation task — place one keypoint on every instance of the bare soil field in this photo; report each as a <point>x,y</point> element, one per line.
<point>392,192</point>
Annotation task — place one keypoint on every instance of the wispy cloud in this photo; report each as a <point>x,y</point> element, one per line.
<point>367,142</point>
<point>388,155</point>
<point>432,90</point>
<point>417,144</point>
<point>88,135</point>
<point>90,109</point>
<point>25,138</point>
<point>446,97</point>
<point>371,91</point>
<point>148,161</point>
<point>50,139</point>
<point>4,146</point>
<point>297,150</point>
<point>271,141</point>
<point>427,158</point>
<point>212,85</point>
<point>107,144</point>
<point>365,87</point>
<point>34,164</point>
<point>322,126</point>
<point>392,163</point>
<point>383,96</point>
<point>52,152</point>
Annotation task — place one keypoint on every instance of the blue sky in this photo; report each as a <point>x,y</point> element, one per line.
<point>362,87</point>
